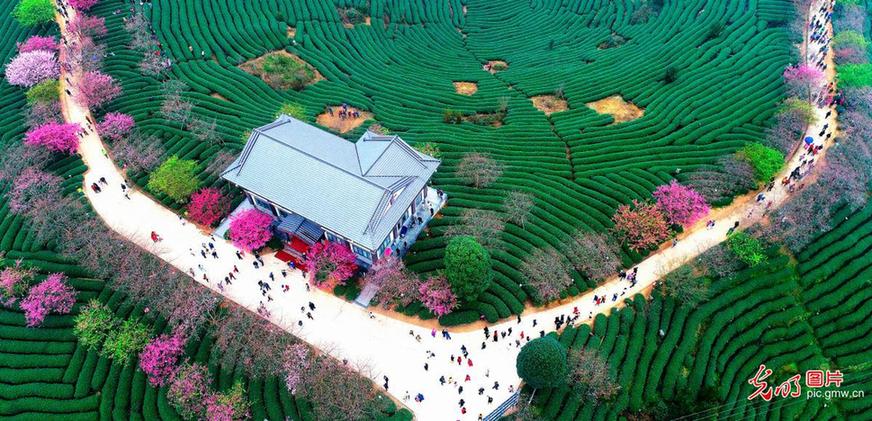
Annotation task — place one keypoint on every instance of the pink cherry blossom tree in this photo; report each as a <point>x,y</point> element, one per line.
<point>396,285</point>
<point>31,67</point>
<point>641,226</point>
<point>38,43</point>
<point>803,79</point>
<point>115,125</point>
<point>435,294</point>
<point>188,390</point>
<point>298,360</point>
<point>82,4</point>
<point>86,26</point>
<point>330,264</point>
<point>51,295</point>
<point>160,358</point>
<point>31,189</point>
<point>682,205</point>
<point>96,88</point>
<point>207,206</point>
<point>55,137</point>
<point>249,230</point>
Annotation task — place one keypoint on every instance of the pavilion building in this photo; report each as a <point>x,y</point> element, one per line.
<point>371,195</point>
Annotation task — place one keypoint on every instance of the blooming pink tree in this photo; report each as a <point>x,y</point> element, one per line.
<point>97,88</point>
<point>395,284</point>
<point>803,79</point>
<point>188,390</point>
<point>51,295</point>
<point>297,361</point>
<point>31,188</point>
<point>249,230</point>
<point>682,205</point>
<point>38,43</point>
<point>435,293</point>
<point>641,226</point>
<point>207,206</point>
<point>13,285</point>
<point>115,125</point>
<point>160,358</point>
<point>31,67</point>
<point>86,26</point>
<point>55,137</point>
<point>82,4</point>
<point>330,263</point>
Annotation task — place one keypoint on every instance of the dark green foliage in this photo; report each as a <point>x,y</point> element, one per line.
<point>670,75</point>
<point>467,268</point>
<point>542,363</point>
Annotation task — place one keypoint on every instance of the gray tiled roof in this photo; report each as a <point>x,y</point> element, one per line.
<point>343,186</point>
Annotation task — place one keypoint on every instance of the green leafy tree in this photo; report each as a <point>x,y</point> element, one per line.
<point>45,91</point>
<point>93,324</point>
<point>292,109</point>
<point>467,267</point>
<point>765,160</point>
<point>34,12</point>
<point>542,363</point>
<point>176,178</point>
<point>428,148</point>
<point>125,341</point>
<point>747,248</point>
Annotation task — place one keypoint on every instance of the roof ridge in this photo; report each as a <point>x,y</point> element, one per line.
<point>249,145</point>
<point>379,212</point>
<point>408,149</point>
<point>317,158</point>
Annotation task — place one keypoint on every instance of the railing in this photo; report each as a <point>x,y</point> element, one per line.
<point>498,413</point>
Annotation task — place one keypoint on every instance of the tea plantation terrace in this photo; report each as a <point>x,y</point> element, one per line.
<point>371,195</point>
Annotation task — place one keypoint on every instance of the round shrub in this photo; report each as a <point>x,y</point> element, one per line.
<point>467,268</point>
<point>542,363</point>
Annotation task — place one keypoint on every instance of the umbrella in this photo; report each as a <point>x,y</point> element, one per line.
<point>809,140</point>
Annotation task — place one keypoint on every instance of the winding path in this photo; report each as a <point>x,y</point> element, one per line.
<point>382,346</point>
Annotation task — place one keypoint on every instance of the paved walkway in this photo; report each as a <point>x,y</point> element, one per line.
<point>380,346</point>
